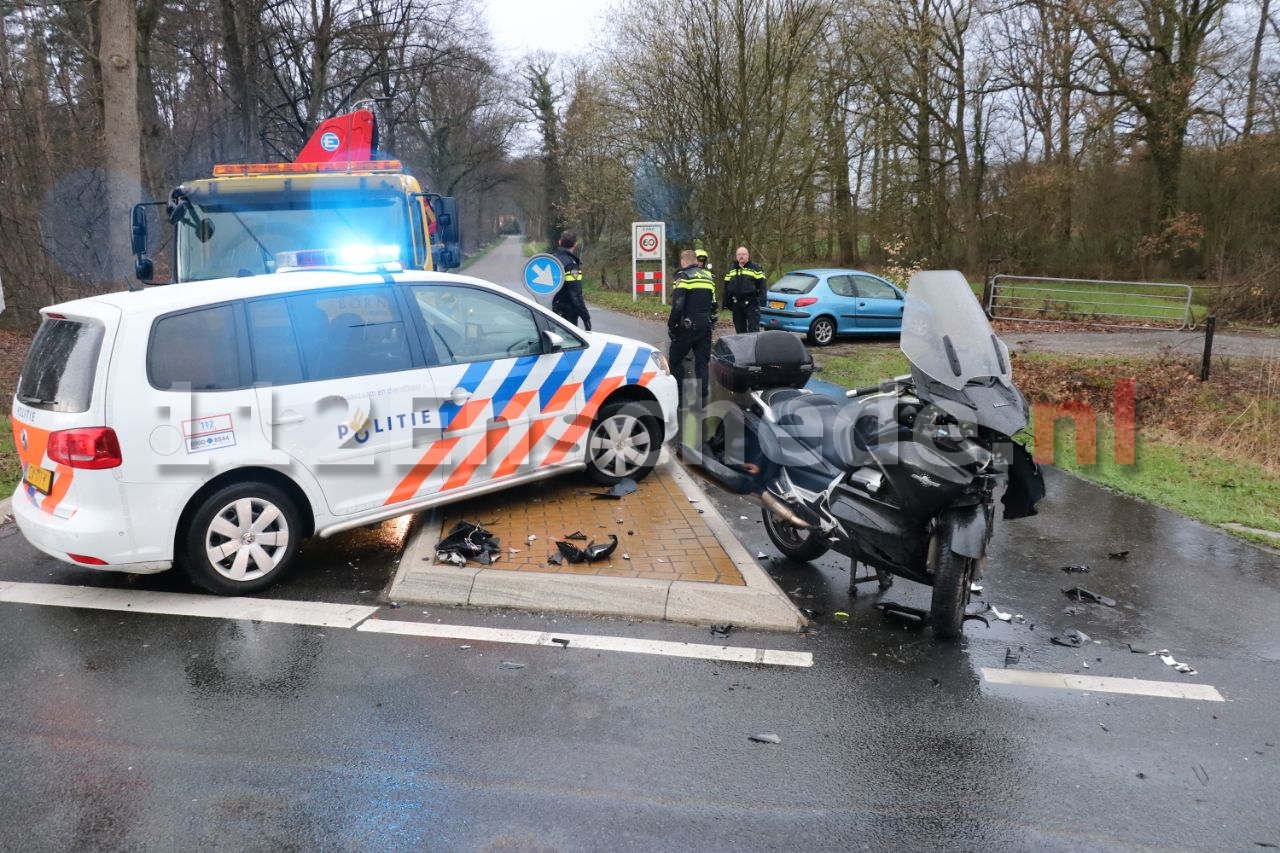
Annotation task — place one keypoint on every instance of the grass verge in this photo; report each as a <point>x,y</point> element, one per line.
<point>1208,450</point>
<point>10,467</point>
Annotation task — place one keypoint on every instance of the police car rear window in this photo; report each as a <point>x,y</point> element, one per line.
<point>196,350</point>
<point>58,373</point>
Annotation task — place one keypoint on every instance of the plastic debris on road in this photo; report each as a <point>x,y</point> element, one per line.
<point>1184,668</point>
<point>1012,658</point>
<point>1079,593</point>
<point>721,631</point>
<point>1081,569</point>
<point>467,541</point>
<point>620,489</point>
<point>999,614</point>
<point>1118,555</point>
<point>765,737</point>
<point>1071,639</point>
<point>601,551</point>
<point>571,552</point>
<point>762,556</point>
<point>840,616</point>
<point>577,534</point>
<point>911,616</point>
<point>509,664</point>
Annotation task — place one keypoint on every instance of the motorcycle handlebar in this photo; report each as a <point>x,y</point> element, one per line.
<point>887,385</point>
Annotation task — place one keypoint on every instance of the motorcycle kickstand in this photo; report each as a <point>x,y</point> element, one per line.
<point>880,576</point>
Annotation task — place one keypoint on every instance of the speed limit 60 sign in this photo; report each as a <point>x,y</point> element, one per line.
<point>647,240</point>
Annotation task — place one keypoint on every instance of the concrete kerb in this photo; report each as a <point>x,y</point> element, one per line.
<point>760,604</point>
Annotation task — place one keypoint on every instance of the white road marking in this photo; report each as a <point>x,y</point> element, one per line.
<point>775,657</point>
<point>316,613</point>
<point>1104,684</point>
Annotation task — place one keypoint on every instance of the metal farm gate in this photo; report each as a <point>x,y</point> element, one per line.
<point>1122,304</point>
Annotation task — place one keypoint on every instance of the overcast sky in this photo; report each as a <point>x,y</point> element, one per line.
<point>524,26</point>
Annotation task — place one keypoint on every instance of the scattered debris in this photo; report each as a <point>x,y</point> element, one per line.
<point>620,489</point>
<point>743,518</point>
<point>1073,611</point>
<point>595,552</point>
<point>1072,639</point>
<point>975,587</point>
<point>1201,774</point>
<point>767,737</point>
<point>811,613</point>
<point>1138,650</point>
<point>1081,569</point>
<point>1086,664</point>
<point>571,552</point>
<point>464,648</point>
<point>509,664</point>
<point>513,550</point>
<point>1104,728</point>
<point>1011,658</point>
<point>1164,655</point>
<point>1079,593</point>
<point>762,556</point>
<point>577,534</point>
<point>626,556</point>
<point>721,631</point>
<point>935,682</point>
<point>840,616</point>
<point>453,558</point>
<point>561,642</point>
<point>532,538</point>
<point>1118,555</point>
<point>999,614</point>
<point>555,560</point>
<point>912,616</point>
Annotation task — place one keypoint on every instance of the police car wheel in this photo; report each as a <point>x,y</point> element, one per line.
<point>241,539</point>
<point>623,443</point>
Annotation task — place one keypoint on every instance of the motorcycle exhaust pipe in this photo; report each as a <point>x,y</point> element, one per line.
<point>779,507</point>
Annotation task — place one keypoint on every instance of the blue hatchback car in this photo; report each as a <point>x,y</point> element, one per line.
<point>825,303</point>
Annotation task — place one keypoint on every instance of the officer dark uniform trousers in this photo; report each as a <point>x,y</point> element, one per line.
<point>693,308</point>
<point>744,287</point>
<point>569,302</point>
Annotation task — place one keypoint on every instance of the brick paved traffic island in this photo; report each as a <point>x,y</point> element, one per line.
<point>676,559</point>
<point>662,535</point>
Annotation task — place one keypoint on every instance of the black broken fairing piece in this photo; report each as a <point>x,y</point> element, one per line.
<point>601,552</point>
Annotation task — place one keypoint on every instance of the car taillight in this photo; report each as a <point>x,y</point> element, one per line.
<point>88,561</point>
<point>93,447</point>
<point>806,300</point>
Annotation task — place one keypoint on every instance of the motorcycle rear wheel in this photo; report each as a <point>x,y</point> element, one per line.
<point>951,584</point>
<point>792,541</point>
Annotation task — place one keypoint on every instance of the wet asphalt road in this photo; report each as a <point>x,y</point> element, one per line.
<point>123,731</point>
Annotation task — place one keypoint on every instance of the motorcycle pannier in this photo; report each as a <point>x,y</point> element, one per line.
<point>772,359</point>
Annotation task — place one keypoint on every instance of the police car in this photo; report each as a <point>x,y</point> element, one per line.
<point>214,425</point>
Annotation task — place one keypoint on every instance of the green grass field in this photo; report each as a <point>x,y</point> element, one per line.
<point>10,467</point>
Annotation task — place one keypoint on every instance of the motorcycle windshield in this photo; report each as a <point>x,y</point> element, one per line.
<point>945,333</point>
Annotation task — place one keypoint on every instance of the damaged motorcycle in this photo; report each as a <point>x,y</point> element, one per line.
<point>901,477</point>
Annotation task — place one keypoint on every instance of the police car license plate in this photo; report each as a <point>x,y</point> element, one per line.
<point>40,478</point>
<point>777,303</point>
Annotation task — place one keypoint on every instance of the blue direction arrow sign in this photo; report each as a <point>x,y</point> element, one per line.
<point>543,275</point>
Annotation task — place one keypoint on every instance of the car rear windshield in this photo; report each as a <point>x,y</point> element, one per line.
<point>794,282</point>
<point>58,373</point>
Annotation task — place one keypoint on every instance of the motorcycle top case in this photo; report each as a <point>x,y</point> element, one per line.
<point>750,362</point>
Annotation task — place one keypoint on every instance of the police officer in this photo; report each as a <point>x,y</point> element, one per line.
<point>744,291</point>
<point>568,301</point>
<point>693,310</point>
<point>704,260</point>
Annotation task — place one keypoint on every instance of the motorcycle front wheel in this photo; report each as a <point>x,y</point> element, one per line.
<point>792,541</point>
<point>951,584</point>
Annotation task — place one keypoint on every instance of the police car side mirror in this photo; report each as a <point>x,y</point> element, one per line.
<point>554,342</point>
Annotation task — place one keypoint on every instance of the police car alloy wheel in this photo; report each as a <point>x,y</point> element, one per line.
<point>241,539</point>
<point>623,443</point>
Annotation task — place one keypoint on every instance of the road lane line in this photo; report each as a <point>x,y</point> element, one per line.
<point>1104,684</point>
<point>774,657</point>
<point>320,614</point>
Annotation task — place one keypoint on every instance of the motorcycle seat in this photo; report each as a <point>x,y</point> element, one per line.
<point>819,423</point>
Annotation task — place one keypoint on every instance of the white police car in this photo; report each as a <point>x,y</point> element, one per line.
<point>214,425</point>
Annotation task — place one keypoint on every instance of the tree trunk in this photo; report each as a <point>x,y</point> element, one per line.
<point>1251,101</point>
<point>117,57</point>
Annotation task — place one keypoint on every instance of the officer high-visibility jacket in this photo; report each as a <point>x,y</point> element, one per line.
<point>693,301</point>
<point>743,283</point>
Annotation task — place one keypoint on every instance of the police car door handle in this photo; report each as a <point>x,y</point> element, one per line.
<point>460,396</point>
<point>286,418</point>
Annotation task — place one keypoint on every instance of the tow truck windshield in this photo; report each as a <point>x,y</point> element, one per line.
<point>244,235</point>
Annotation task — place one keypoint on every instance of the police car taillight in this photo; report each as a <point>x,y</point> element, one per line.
<point>91,447</point>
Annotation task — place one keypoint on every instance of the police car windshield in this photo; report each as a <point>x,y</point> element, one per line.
<point>246,235</point>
